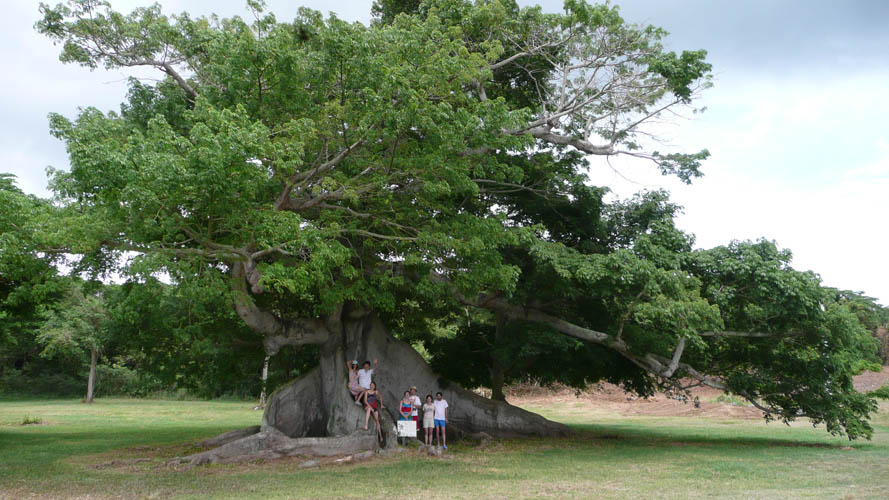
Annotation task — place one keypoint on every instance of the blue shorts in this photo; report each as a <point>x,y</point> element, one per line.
<point>439,423</point>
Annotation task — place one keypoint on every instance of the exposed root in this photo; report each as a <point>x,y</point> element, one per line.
<point>228,437</point>
<point>272,444</point>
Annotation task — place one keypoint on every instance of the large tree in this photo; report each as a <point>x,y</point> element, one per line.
<point>346,180</point>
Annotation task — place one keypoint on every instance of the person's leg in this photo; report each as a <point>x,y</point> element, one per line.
<point>367,416</point>
<point>444,436</point>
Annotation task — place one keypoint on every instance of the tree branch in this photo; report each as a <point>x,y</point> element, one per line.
<point>653,363</point>
<point>277,332</point>
<point>583,145</point>
<point>747,334</point>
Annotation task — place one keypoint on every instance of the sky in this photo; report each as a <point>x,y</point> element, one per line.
<point>796,121</point>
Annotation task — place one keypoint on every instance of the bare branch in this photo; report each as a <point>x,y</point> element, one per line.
<point>580,144</point>
<point>674,363</point>
<point>378,236</point>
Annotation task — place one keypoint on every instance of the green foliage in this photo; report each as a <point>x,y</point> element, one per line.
<point>78,324</point>
<point>881,393</point>
<point>52,381</point>
<point>29,283</point>
<point>806,368</point>
<point>188,338</point>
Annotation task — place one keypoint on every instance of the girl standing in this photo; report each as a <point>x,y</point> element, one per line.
<point>407,406</point>
<point>428,419</point>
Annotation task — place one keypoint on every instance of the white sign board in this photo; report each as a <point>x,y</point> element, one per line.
<point>407,428</point>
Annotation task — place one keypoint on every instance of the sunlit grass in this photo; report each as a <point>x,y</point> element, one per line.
<point>118,448</point>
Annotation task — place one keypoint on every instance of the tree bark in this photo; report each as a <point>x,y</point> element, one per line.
<point>265,377</point>
<point>316,413</point>
<point>498,371</point>
<point>91,381</point>
<point>400,367</point>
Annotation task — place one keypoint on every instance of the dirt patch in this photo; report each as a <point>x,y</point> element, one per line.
<point>613,399</point>
<point>118,464</point>
<point>868,381</point>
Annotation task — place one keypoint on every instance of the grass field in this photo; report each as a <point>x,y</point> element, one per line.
<point>117,448</point>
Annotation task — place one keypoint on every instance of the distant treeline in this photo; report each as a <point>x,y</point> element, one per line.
<point>152,339</point>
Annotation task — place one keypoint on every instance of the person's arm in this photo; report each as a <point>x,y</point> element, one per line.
<point>447,413</point>
<point>376,363</point>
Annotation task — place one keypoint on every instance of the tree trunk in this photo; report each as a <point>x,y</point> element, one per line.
<point>498,371</point>
<point>318,405</point>
<point>91,381</point>
<point>265,377</point>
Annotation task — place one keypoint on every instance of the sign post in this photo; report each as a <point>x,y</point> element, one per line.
<point>406,428</point>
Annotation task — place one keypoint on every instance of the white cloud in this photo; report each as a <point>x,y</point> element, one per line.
<point>789,166</point>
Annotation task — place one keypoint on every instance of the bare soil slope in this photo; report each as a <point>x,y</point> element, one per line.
<point>612,399</point>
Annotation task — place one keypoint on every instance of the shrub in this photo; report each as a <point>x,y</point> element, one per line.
<point>119,380</point>
<point>15,382</point>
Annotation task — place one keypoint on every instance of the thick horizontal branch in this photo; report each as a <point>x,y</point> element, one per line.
<point>527,53</point>
<point>278,332</point>
<point>212,245</point>
<point>370,234</point>
<point>654,363</point>
<point>747,334</point>
<point>545,134</point>
<point>215,255</point>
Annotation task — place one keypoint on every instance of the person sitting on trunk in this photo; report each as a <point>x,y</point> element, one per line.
<point>365,375</point>
<point>354,388</point>
<point>404,413</point>
<point>372,404</point>
<point>428,420</point>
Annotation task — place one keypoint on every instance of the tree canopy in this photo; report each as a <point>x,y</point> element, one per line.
<point>431,162</point>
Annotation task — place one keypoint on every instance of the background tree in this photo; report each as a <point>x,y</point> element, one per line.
<point>78,325</point>
<point>871,315</point>
<point>189,338</point>
<point>342,181</point>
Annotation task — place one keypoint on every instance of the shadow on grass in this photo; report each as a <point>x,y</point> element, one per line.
<point>18,447</point>
<point>21,447</point>
<point>644,435</point>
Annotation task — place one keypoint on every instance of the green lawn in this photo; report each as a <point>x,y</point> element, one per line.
<point>94,451</point>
